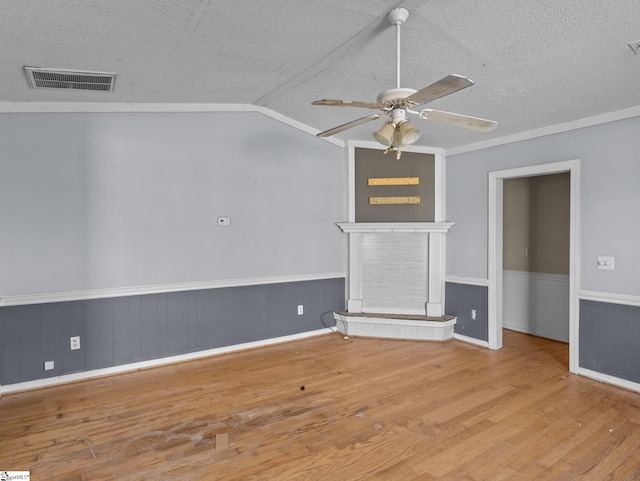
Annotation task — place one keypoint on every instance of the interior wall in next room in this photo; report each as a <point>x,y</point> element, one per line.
<point>536,224</point>
<point>536,219</point>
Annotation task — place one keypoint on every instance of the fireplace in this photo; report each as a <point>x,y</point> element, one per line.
<point>396,281</point>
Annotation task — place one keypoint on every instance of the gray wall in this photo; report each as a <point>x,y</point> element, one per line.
<point>609,225</point>
<point>609,339</point>
<point>116,200</point>
<point>610,176</point>
<point>371,163</point>
<point>460,299</point>
<point>108,200</point>
<point>123,330</point>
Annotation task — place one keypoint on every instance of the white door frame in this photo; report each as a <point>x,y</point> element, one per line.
<point>495,249</point>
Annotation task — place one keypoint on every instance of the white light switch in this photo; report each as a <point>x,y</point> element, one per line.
<point>606,263</point>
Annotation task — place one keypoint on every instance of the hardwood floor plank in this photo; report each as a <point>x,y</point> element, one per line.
<point>370,409</point>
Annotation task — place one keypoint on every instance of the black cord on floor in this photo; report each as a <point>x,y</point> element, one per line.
<point>332,329</point>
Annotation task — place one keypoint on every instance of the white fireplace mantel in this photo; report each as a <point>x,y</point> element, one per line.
<point>416,244</point>
<point>411,227</point>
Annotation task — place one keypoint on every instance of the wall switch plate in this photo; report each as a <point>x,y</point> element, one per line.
<point>474,314</point>
<point>224,221</point>
<point>300,309</point>
<point>606,263</point>
<point>74,343</point>
<point>48,365</point>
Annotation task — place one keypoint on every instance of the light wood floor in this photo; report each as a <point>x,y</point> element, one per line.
<point>370,409</point>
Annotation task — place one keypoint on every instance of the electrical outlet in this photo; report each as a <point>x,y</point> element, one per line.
<point>48,365</point>
<point>75,343</point>
<point>300,309</point>
<point>474,314</point>
<point>224,221</point>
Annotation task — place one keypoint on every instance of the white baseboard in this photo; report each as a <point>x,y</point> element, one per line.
<point>606,378</point>
<point>137,366</point>
<point>471,340</point>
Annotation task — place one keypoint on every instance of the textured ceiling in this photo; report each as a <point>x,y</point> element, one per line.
<point>535,63</point>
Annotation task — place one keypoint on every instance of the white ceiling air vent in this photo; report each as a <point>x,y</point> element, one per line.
<point>51,78</point>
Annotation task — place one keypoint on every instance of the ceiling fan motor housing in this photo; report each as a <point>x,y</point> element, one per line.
<point>394,97</point>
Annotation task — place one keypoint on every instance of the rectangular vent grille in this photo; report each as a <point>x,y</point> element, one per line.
<point>49,78</point>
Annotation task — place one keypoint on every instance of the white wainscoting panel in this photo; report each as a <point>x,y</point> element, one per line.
<point>536,303</point>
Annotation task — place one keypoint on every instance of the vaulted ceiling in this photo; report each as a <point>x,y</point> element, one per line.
<point>534,63</point>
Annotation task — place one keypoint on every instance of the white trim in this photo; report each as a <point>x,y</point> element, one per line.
<point>495,249</point>
<point>354,301</point>
<point>550,130</point>
<point>137,366</point>
<point>120,107</point>
<point>624,299</point>
<point>351,182</point>
<point>23,299</point>
<point>62,107</point>
<point>494,291</point>
<point>472,281</point>
<point>542,276</point>
<point>606,378</point>
<point>297,125</point>
<point>470,340</point>
<point>440,188</point>
<point>436,262</point>
<point>114,107</point>
<point>574,268</point>
<point>391,310</point>
<point>404,227</point>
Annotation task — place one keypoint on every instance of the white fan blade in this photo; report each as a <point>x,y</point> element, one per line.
<point>473,123</point>
<point>445,86</point>
<point>348,125</point>
<point>347,103</point>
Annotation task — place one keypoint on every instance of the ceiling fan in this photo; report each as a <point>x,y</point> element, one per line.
<point>396,103</point>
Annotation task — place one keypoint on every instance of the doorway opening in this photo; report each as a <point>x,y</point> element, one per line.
<point>496,249</point>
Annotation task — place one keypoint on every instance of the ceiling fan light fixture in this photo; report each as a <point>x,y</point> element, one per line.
<point>386,134</point>
<point>408,133</point>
